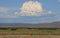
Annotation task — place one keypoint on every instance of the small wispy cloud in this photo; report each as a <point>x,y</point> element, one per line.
<point>4,13</point>
<point>58,0</point>
<point>4,10</point>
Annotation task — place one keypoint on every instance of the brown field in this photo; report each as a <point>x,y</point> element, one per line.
<point>29,36</point>
<point>30,32</point>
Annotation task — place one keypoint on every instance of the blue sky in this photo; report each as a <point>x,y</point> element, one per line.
<point>29,11</point>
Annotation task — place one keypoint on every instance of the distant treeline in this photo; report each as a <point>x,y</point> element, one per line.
<point>30,28</point>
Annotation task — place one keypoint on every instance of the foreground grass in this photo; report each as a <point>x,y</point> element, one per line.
<point>29,36</point>
<point>30,32</point>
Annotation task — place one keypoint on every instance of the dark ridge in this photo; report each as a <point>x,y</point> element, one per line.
<point>20,25</point>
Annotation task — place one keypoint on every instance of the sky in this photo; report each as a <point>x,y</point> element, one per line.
<point>29,11</point>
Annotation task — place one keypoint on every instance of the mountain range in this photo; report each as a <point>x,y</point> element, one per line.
<point>25,25</point>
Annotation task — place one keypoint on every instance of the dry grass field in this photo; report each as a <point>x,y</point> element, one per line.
<point>30,32</point>
<point>29,36</point>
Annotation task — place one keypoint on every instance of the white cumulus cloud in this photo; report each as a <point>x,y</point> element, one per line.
<point>32,8</point>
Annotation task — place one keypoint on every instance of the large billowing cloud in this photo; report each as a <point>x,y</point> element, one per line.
<point>32,8</point>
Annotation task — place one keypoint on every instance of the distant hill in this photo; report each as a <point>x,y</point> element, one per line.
<point>41,25</point>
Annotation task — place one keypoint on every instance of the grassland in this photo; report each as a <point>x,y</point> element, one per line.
<point>30,31</point>
<point>29,36</point>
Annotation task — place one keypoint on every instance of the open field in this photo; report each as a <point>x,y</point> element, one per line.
<point>29,36</point>
<point>30,31</point>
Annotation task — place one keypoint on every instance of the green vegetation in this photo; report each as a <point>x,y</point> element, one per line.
<point>29,31</point>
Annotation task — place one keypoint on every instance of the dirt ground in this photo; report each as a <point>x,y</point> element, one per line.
<point>29,36</point>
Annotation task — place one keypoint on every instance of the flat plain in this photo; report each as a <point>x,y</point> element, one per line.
<point>30,33</point>
<point>29,36</point>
